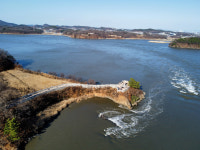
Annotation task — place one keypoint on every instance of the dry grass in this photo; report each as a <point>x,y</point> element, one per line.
<point>21,80</point>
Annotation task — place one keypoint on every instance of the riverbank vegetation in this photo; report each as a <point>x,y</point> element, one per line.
<point>7,61</point>
<point>31,123</point>
<point>20,29</point>
<point>192,42</point>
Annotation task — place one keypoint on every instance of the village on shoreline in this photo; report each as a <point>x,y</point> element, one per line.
<point>87,32</point>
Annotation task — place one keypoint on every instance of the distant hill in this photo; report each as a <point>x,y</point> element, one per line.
<point>12,28</point>
<point>3,23</point>
<point>87,32</point>
<point>150,30</point>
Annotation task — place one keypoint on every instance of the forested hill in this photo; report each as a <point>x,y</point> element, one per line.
<point>3,23</point>
<point>87,32</point>
<point>12,28</point>
<point>192,43</point>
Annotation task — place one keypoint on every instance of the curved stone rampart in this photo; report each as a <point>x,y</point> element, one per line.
<point>120,88</point>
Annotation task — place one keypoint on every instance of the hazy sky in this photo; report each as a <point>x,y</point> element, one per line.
<point>178,15</point>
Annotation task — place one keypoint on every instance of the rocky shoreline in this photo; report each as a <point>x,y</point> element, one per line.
<point>35,114</point>
<point>31,100</point>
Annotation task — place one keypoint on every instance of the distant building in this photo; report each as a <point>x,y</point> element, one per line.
<point>172,34</point>
<point>162,33</point>
<point>138,32</point>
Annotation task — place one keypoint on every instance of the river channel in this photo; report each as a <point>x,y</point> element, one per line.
<point>167,119</point>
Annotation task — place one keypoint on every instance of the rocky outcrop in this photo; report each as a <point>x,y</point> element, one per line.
<point>53,110</point>
<point>34,114</point>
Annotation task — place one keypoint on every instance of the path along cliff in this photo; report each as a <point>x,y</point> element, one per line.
<point>121,87</point>
<point>37,109</point>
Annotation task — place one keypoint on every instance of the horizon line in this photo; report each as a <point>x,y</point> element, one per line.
<point>106,27</point>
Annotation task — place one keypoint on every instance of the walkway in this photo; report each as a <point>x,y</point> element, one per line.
<point>121,87</point>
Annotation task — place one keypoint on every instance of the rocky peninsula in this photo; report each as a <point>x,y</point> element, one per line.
<point>35,109</point>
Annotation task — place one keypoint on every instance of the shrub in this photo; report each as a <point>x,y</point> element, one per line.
<point>53,73</point>
<point>134,98</point>
<point>62,75</point>
<point>134,84</point>
<point>90,81</point>
<point>7,61</point>
<point>11,128</point>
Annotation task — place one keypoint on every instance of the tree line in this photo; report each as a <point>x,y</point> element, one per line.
<point>192,40</point>
<point>21,29</point>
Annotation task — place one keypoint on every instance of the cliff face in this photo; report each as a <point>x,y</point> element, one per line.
<point>75,96</point>
<point>33,115</point>
<point>184,45</point>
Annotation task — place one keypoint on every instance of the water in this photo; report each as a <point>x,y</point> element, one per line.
<point>168,118</point>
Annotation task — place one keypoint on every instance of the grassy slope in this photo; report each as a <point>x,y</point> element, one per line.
<point>21,80</point>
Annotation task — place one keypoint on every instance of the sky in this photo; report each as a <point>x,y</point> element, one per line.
<point>175,15</point>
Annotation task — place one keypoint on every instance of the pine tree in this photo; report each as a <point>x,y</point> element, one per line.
<point>11,128</point>
<point>134,84</point>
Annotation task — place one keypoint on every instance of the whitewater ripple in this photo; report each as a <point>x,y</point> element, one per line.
<point>181,80</point>
<point>131,122</point>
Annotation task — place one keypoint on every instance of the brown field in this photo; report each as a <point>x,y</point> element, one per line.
<point>22,80</point>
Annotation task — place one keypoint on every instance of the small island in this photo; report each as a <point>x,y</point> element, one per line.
<point>190,43</point>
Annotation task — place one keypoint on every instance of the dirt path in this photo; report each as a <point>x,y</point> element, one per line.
<point>38,84</point>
